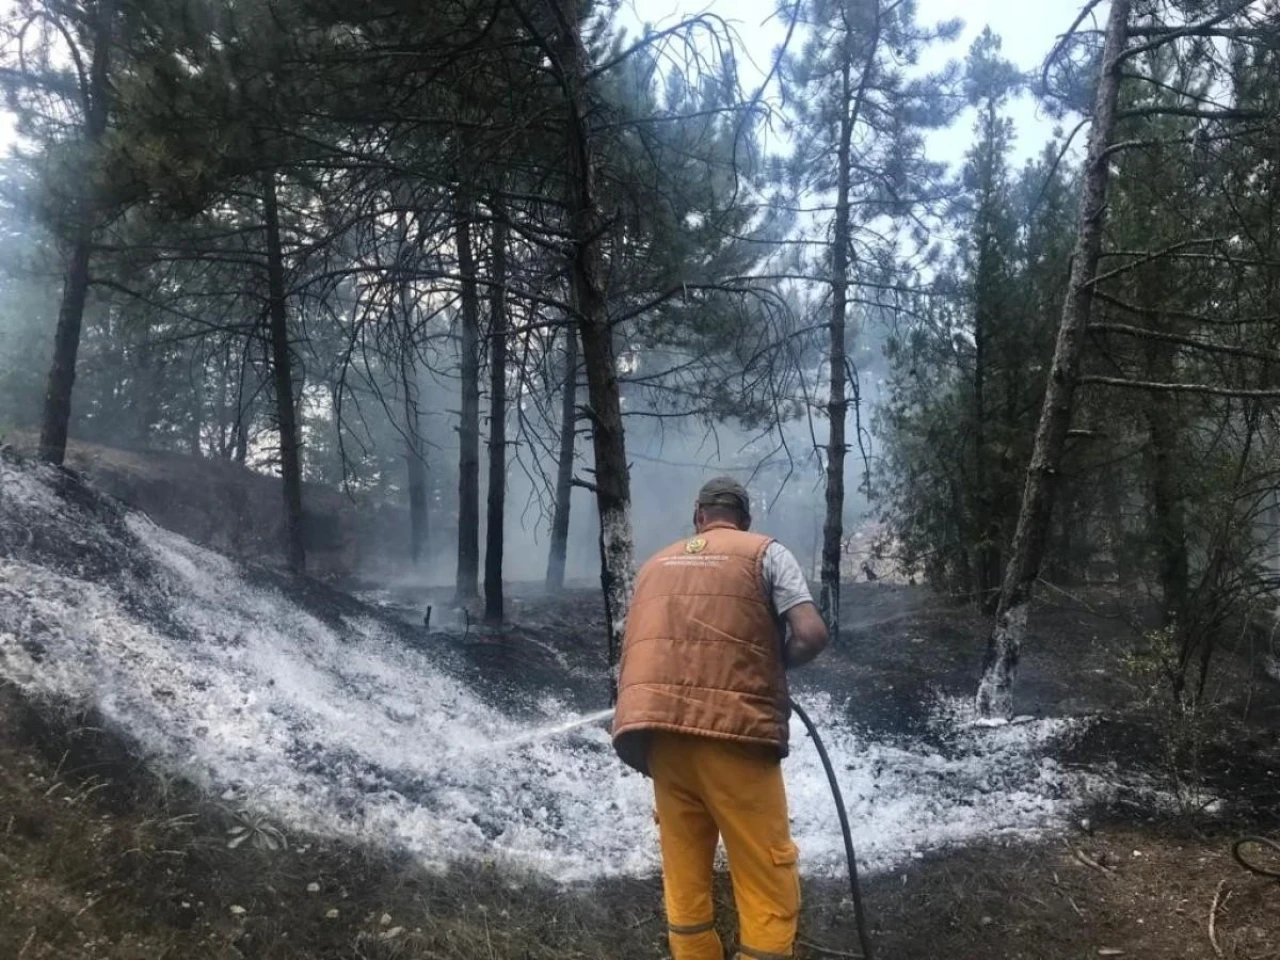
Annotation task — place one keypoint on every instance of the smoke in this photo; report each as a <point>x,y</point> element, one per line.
<point>670,458</point>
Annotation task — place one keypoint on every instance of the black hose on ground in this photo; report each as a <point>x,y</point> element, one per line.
<point>864,941</point>
<point>1238,848</point>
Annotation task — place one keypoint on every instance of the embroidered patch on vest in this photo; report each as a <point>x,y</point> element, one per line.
<point>696,545</point>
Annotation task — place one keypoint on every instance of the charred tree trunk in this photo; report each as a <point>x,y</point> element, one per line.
<point>224,405</point>
<point>558,555</point>
<point>995,690</point>
<point>241,452</point>
<point>402,315</point>
<point>837,403</point>
<point>986,564</point>
<point>419,517</point>
<point>199,382</point>
<point>958,531</point>
<point>612,480</point>
<point>986,552</point>
<point>415,461</point>
<point>56,419</point>
<point>242,415</point>
<point>415,454</point>
<point>144,397</point>
<point>496,526</point>
<point>66,345</point>
<point>195,427</point>
<point>282,378</point>
<point>986,524</point>
<point>1168,525</point>
<point>468,575</point>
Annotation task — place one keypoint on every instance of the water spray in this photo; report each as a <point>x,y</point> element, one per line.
<point>544,733</point>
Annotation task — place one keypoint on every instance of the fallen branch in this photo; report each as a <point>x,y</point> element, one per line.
<point>1088,861</point>
<point>1218,901</point>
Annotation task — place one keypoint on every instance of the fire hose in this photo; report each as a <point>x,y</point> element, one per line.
<point>1246,861</point>
<point>855,891</point>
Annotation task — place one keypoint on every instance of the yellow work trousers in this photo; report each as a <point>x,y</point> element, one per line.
<point>706,789</point>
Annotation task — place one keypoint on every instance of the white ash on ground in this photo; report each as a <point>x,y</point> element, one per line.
<point>336,725</point>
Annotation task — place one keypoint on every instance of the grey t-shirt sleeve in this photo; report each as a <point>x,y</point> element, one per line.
<point>784,579</point>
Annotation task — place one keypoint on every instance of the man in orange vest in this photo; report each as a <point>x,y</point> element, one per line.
<point>703,710</point>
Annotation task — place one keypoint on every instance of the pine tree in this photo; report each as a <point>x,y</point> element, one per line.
<point>990,254</point>
<point>858,131</point>
<point>86,36</point>
<point>1013,609</point>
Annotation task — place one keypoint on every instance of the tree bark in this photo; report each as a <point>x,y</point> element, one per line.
<point>199,382</point>
<point>66,346</point>
<point>244,411</point>
<point>282,377</point>
<point>995,690</point>
<point>148,390</point>
<point>56,419</point>
<point>415,463</point>
<point>241,452</point>
<point>1168,523</point>
<point>414,453</point>
<point>415,457</point>
<point>223,405</point>
<point>496,526</point>
<point>195,427</point>
<point>837,403</point>
<point>612,480</point>
<point>559,552</point>
<point>468,574</point>
<point>987,551</point>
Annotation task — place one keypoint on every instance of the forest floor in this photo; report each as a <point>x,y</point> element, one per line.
<point>99,859</point>
<point>1070,833</point>
<point>99,863</point>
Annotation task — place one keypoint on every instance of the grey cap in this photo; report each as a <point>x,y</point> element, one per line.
<point>725,492</point>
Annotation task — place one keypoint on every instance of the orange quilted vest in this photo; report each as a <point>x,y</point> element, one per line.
<point>702,653</point>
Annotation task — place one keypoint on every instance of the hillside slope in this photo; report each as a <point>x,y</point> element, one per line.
<point>226,506</point>
<point>330,717</point>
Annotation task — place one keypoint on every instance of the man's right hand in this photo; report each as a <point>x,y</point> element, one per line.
<point>809,635</point>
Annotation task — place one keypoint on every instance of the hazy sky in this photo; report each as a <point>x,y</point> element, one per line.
<point>1028,33</point>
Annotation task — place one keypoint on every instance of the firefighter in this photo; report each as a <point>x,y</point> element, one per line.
<point>716,621</point>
